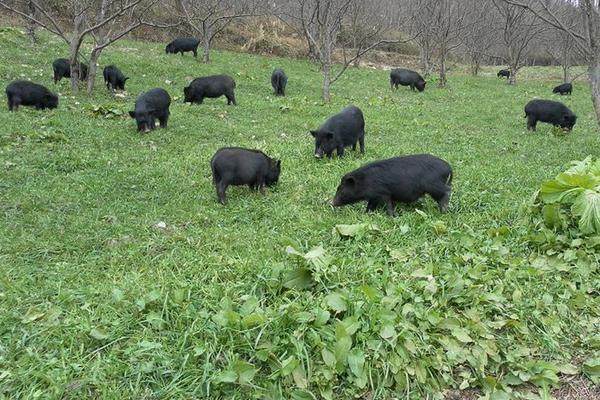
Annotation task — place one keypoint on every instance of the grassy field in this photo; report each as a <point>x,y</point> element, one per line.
<point>122,277</point>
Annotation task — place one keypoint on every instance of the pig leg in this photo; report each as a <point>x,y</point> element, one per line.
<point>442,196</point>
<point>531,122</point>
<point>390,206</point>
<point>163,120</point>
<point>230,99</point>
<point>13,103</point>
<point>221,186</point>
<point>340,151</point>
<point>361,141</point>
<point>372,205</point>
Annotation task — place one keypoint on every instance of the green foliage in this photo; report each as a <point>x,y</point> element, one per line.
<point>123,278</point>
<point>573,198</point>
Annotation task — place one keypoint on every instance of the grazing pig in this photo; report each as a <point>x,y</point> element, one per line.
<point>345,128</point>
<point>279,81</point>
<point>113,77</point>
<point>27,93</point>
<point>62,69</point>
<point>503,73</point>
<point>210,86</point>
<point>182,45</point>
<point>399,179</point>
<point>238,166</point>
<point>406,77</point>
<point>552,112</point>
<point>565,88</point>
<point>148,107</point>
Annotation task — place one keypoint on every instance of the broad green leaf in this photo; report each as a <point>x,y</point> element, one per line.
<point>356,361</point>
<point>591,368</point>
<point>587,207</point>
<point>551,213</point>
<point>98,334</point>
<point>299,376</point>
<point>299,279</point>
<point>328,357</point>
<point>461,334</point>
<point>288,365</point>
<point>227,376</point>
<point>244,370</point>
<point>336,302</point>
<point>387,331</point>
<point>354,230</point>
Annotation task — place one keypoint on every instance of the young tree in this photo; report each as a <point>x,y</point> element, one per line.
<point>210,17</point>
<point>478,37</point>
<point>448,21</point>
<point>518,29</point>
<point>322,21</point>
<point>584,30</point>
<point>419,23</point>
<point>86,17</point>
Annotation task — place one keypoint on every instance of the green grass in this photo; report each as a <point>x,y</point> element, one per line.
<point>95,300</point>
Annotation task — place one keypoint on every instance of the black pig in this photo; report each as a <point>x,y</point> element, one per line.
<point>503,73</point>
<point>62,69</point>
<point>148,107</point>
<point>113,77</point>
<point>210,86</point>
<point>399,179</point>
<point>279,81</point>
<point>182,45</point>
<point>552,112</point>
<point>406,77</point>
<point>565,88</point>
<point>238,166</point>
<point>343,129</point>
<point>30,94</point>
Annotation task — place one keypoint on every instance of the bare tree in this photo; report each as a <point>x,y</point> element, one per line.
<point>478,37</point>
<point>210,17</point>
<point>518,31</point>
<point>104,20</point>
<point>419,23</point>
<point>448,21</point>
<point>365,25</point>
<point>114,29</point>
<point>584,30</point>
<point>322,21</point>
<point>561,48</point>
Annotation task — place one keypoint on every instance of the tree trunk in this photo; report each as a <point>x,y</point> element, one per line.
<point>443,79</point>
<point>565,73</point>
<point>425,62</point>
<point>512,80</point>
<point>74,64</point>
<point>30,24</point>
<point>206,44</point>
<point>594,70</point>
<point>75,44</point>
<point>92,70</point>
<point>327,48</point>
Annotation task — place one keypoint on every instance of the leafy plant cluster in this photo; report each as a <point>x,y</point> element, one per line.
<point>570,203</point>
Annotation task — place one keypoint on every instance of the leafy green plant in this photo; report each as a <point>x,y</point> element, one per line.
<point>573,198</point>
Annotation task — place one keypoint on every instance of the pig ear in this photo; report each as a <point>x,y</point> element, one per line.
<point>313,133</point>
<point>125,78</point>
<point>132,114</point>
